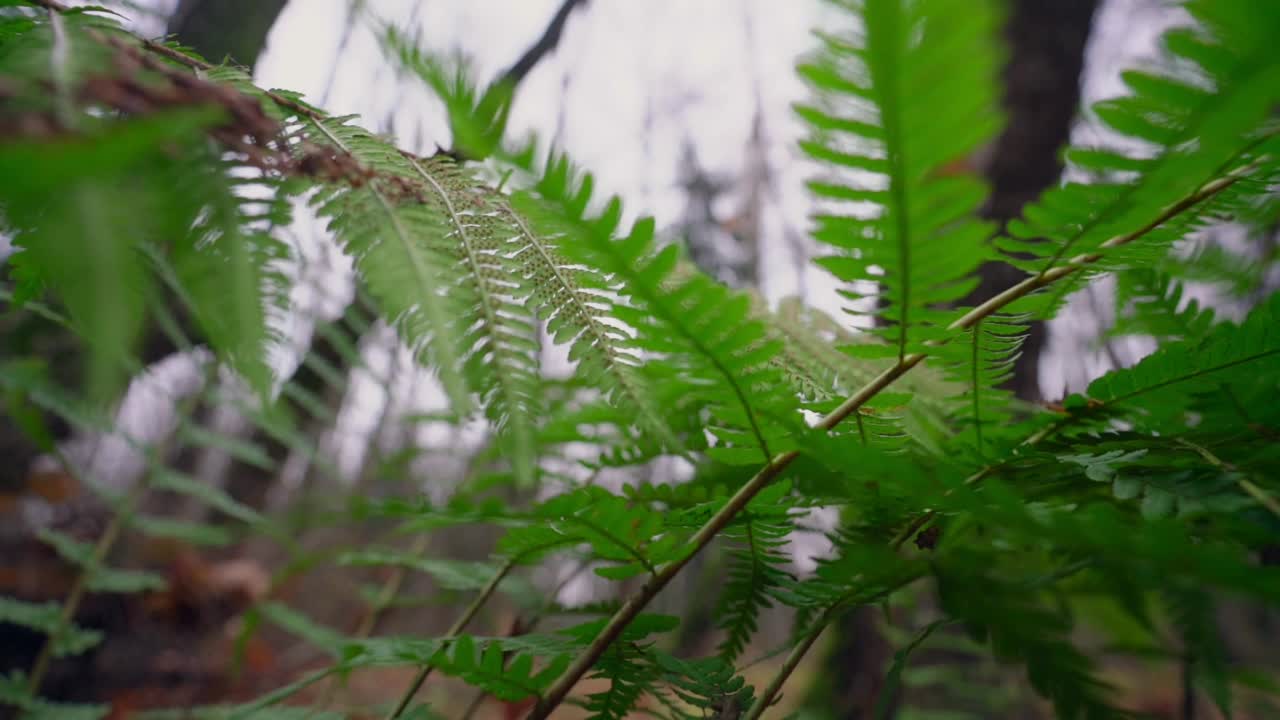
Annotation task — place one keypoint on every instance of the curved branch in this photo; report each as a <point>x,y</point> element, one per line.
<point>637,602</point>
<point>545,44</point>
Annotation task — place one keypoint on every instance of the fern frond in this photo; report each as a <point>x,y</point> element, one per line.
<point>1018,627</point>
<point>499,339</point>
<point>713,347</point>
<point>80,234</point>
<point>14,692</point>
<point>1246,185</point>
<point>980,361</point>
<point>454,575</point>
<point>857,573</point>
<point>45,618</point>
<point>490,671</point>
<point>193,209</point>
<point>631,675</point>
<point>822,361</point>
<point>626,534</point>
<point>1167,381</point>
<point>575,304</point>
<point>1192,125</point>
<point>392,232</point>
<point>228,268</point>
<point>1193,613</point>
<point>809,357</point>
<point>909,227</point>
<point>99,577</point>
<point>1149,302</point>
<point>477,119</point>
<point>709,685</point>
<point>756,569</point>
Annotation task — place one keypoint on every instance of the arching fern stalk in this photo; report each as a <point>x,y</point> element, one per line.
<point>1019,515</point>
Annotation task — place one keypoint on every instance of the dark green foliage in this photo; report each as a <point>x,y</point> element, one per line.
<point>1019,627</point>
<point>1169,382</point>
<point>757,570</point>
<point>1153,492</point>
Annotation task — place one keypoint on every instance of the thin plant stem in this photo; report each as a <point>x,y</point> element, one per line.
<point>529,626</point>
<point>789,665</point>
<point>80,587</point>
<point>455,630</point>
<point>386,595</point>
<point>560,689</point>
<point>1255,492</point>
<point>105,543</point>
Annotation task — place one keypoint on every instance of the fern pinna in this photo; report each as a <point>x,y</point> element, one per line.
<point>1150,493</point>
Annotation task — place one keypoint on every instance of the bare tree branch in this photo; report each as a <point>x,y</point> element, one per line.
<point>545,44</point>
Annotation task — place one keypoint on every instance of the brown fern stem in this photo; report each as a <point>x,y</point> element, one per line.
<point>637,602</point>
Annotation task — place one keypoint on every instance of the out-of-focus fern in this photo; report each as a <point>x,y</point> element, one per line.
<point>1153,303</point>
<point>1019,627</point>
<point>628,535</point>
<point>1193,615</point>
<point>188,207</point>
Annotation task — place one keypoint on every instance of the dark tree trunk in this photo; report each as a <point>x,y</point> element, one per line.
<point>1046,41</point>
<point>219,29</point>
<point>1042,92</point>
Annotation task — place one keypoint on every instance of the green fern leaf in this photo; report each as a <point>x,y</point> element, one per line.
<point>1167,381</point>
<point>324,638</point>
<point>575,305</point>
<point>1193,612</point>
<point>756,570</point>
<point>14,692</point>
<point>1193,125</point>
<point>394,235</point>
<point>450,574</point>
<point>1012,620</point>
<point>708,686</point>
<point>714,348</point>
<point>980,361</point>
<point>47,619</point>
<point>228,267</point>
<point>904,225</point>
<point>83,231</point>
<point>488,669</point>
<point>1152,303</point>
<point>631,675</point>
<point>498,337</point>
